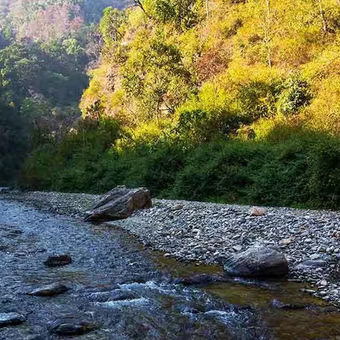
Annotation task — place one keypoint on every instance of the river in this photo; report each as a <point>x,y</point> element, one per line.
<point>129,292</point>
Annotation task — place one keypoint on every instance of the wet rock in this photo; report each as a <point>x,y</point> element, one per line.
<point>11,319</point>
<point>200,279</point>
<point>190,310</point>
<point>116,295</point>
<point>257,262</point>
<point>257,211</point>
<point>49,290</point>
<point>120,203</point>
<point>308,291</point>
<point>58,260</point>
<point>69,328</point>
<point>281,305</point>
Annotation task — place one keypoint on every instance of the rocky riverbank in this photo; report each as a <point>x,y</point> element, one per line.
<point>205,232</point>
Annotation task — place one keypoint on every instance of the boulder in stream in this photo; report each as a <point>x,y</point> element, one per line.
<point>281,305</point>
<point>201,279</point>
<point>120,203</point>
<point>68,328</point>
<point>58,260</point>
<point>11,319</point>
<point>49,290</point>
<point>257,262</point>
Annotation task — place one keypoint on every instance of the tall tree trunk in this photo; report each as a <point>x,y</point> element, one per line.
<point>139,4</point>
<point>323,18</point>
<point>207,7</point>
<point>268,33</point>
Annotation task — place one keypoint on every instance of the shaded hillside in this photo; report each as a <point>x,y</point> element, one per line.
<point>45,49</point>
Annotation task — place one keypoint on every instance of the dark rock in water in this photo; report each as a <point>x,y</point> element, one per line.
<point>200,279</point>
<point>11,319</point>
<point>323,309</point>
<point>49,290</point>
<point>281,305</point>
<point>58,260</point>
<point>4,190</point>
<point>257,262</point>
<point>73,328</point>
<point>120,203</point>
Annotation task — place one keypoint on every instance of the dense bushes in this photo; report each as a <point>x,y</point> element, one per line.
<point>12,148</point>
<point>302,169</point>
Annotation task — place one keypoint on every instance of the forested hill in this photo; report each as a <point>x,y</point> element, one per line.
<point>46,47</point>
<point>51,19</point>
<point>222,100</point>
<point>219,100</point>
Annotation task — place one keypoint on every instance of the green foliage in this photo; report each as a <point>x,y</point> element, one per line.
<point>14,143</point>
<point>295,94</point>
<point>180,12</point>
<point>110,26</point>
<point>257,100</point>
<point>155,76</point>
<point>301,170</point>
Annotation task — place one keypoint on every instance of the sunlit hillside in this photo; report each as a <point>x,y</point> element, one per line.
<point>215,100</point>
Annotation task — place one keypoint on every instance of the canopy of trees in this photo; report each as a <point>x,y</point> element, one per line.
<point>45,49</point>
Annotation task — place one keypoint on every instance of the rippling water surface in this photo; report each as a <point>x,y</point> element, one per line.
<point>128,292</point>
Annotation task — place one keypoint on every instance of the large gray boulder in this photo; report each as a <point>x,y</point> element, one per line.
<point>257,262</point>
<point>120,203</point>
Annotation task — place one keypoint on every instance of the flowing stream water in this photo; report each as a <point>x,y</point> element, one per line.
<point>129,292</point>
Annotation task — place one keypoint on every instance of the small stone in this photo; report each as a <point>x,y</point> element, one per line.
<point>311,264</point>
<point>49,290</point>
<point>315,256</point>
<point>257,211</point>
<point>237,248</point>
<point>323,283</point>
<point>11,319</point>
<point>285,242</point>
<point>309,291</point>
<point>177,207</point>
<point>58,260</point>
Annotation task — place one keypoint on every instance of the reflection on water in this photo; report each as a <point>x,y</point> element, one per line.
<point>309,318</point>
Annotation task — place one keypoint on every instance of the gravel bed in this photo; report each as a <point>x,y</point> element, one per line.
<point>207,232</point>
